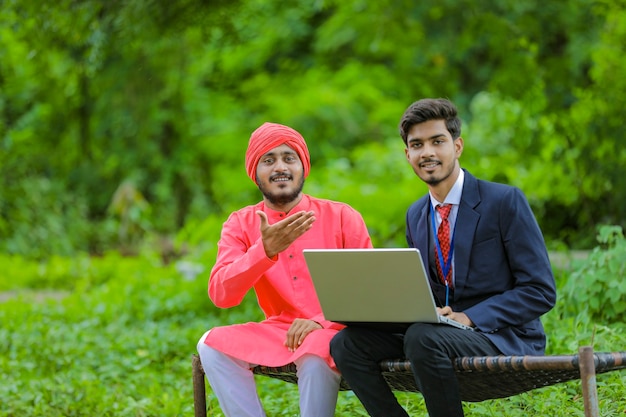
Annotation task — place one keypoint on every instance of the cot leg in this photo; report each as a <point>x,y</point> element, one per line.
<point>588,381</point>
<point>199,390</point>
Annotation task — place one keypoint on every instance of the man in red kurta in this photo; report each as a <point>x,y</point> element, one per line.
<point>261,248</point>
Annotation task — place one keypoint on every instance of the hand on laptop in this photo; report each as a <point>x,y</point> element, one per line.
<point>298,330</point>
<point>278,236</point>
<point>456,316</point>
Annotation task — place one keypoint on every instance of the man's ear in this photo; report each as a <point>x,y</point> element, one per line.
<point>458,146</point>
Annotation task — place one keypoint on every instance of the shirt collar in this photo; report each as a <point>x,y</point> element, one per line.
<point>454,195</point>
<point>303,205</point>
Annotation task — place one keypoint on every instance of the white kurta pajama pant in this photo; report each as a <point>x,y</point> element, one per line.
<point>233,383</point>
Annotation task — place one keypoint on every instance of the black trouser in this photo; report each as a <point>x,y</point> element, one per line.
<point>429,347</point>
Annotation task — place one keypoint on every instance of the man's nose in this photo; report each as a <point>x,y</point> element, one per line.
<point>280,166</point>
<point>428,151</point>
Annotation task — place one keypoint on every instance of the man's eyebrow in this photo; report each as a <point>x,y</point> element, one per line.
<point>435,136</point>
<point>272,153</point>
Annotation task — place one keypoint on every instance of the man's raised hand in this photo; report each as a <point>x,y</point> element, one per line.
<point>278,236</point>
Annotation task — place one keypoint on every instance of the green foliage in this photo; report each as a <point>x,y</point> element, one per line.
<point>46,220</point>
<point>131,211</point>
<point>377,180</point>
<point>117,341</point>
<point>597,287</point>
<point>94,95</point>
<point>119,346</point>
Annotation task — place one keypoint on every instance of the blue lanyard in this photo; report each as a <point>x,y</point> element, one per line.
<point>445,266</point>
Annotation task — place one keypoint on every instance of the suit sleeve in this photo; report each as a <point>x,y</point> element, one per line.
<point>529,290</point>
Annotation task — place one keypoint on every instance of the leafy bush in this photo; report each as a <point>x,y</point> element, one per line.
<point>597,287</point>
<point>94,94</point>
<point>118,342</point>
<point>43,219</point>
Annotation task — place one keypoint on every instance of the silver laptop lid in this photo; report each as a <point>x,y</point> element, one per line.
<point>382,285</point>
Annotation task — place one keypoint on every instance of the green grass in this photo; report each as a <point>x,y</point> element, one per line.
<point>116,335</point>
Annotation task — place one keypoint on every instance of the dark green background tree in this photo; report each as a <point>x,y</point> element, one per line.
<point>121,120</point>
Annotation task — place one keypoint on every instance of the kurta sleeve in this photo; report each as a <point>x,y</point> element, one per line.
<point>238,266</point>
<point>354,230</point>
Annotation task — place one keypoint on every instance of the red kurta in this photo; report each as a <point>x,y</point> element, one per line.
<point>283,287</point>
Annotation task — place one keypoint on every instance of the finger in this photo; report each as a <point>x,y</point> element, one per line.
<point>445,311</point>
<point>294,224</point>
<point>308,329</point>
<point>299,218</point>
<point>302,224</point>
<point>308,222</point>
<point>263,216</point>
<point>289,341</point>
<point>297,332</point>
<point>292,338</point>
<point>302,336</point>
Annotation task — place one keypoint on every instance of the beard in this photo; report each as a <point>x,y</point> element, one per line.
<point>281,199</point>
<point>433,180</point>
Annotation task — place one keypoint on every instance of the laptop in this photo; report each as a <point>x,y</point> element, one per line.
<point>382,287</point>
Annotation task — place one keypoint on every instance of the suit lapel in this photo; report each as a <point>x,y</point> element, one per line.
<point>421,231</point>
<point>465,229</point>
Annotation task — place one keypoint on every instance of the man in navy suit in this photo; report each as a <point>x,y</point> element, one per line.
<point>496,276</point>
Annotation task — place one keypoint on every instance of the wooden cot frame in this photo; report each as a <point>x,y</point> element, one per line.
<point>480,378</point>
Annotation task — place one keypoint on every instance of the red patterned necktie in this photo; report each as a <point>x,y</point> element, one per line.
<point>443,235</point>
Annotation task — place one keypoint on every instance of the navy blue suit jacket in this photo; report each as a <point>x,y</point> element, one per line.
<point>503,277</point>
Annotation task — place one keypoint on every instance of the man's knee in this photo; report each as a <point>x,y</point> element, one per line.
<point>201,341</point>
<point>344,345</point>
<point>419,339</point>
<point>310,361</point>
<point>208,355</point>
<point>337,345</point>
<point>314,366</point>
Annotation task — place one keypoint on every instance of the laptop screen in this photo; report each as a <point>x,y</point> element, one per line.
<point>381,285</point>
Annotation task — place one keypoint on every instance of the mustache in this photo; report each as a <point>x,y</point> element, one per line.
<point>273,177</point>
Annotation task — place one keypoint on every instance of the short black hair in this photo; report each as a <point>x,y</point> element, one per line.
<point>430,109</point>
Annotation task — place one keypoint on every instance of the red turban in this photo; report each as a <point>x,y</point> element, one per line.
<point>267,137</point>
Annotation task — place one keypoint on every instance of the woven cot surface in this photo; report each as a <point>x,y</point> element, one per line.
<point>482,378</point>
